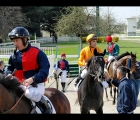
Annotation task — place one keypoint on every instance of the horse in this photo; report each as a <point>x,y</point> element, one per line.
<point>12,98</point>
<point>90,91</point>
<point>127,60</point>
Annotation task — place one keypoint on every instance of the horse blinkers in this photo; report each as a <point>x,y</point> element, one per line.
<point>131,64</point>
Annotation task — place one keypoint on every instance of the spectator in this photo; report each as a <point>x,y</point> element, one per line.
<point>2,66</point>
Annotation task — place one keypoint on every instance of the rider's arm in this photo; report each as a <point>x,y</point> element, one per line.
<point>81,60</point>
<point>117,50</point>
<point>44,67</point>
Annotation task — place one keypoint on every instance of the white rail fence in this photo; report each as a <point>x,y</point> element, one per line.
<point>6,52</point>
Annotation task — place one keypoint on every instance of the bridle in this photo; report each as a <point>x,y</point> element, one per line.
<point>95,75</point>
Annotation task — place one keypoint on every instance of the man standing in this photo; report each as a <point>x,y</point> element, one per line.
<point>127,99</point>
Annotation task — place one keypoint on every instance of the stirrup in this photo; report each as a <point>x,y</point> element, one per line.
<point>44,106</point>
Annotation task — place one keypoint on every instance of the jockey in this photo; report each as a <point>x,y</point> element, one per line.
<point>31,67</point>
<point>85,54</point>
<point>113,49</point>
<point>63,64</point>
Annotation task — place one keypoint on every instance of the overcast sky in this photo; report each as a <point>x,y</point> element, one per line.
<point>123,12</point>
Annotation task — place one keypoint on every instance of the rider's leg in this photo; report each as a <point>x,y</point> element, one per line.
<point>63,78</point>
<point>36,94</point>
<point>81,76</point>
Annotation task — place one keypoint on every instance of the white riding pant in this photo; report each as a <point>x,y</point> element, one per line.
<point>63,76</point>
<point>110,58</point>
<point>84,72</point>
<point>34,93</point>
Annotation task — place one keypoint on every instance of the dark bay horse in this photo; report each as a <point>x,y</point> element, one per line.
<point>13,101</point>
<point>90,92</point>
<point>126,59</point>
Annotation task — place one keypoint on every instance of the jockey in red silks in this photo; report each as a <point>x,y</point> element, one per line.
<point>113,49</point>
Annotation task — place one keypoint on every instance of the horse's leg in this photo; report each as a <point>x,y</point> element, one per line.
<point>114,98</point>
<point>106,93</point>
<point>99,111</point>
<point>83,110</point>
<point>111,91</point>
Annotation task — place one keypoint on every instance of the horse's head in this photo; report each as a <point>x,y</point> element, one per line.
<point>131,62</point>
<point>96,67</point>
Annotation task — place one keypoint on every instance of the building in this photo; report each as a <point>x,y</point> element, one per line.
<point>131,26</point>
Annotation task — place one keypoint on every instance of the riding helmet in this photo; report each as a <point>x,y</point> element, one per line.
<point>91,36</point>
<point>108,38</point>
<point>19,32</point>
<point>63,55</point>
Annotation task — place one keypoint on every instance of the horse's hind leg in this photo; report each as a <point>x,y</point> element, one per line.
<point>114,98</point>
<point>106,93</point>
<point>111,91</point>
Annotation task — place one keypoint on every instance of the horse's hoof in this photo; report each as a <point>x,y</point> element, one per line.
<point>113,103</point>
<point>107,99</point>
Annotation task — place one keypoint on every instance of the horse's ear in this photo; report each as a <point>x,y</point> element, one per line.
<point>95,52</point>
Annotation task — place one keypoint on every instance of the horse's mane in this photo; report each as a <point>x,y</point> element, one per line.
<point>125,54</point>
<point>11,83</point>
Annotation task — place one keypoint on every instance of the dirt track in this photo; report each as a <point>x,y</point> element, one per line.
<point>108,107</point>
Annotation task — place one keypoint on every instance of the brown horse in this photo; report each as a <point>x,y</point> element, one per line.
<point>126,59</point>
<point>13,101</point>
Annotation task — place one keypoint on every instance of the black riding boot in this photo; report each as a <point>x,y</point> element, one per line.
<point>44,106</point>
<point>63,86</point>
<point>77,80</point>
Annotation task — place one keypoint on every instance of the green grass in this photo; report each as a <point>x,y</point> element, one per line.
<point>71,48</point>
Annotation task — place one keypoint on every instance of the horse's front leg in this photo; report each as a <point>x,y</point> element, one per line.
<point>114,98</point>
<point>83,110</point>
<point>100,110</point>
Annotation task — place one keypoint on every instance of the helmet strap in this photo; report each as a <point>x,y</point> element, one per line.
<point>23,41</point>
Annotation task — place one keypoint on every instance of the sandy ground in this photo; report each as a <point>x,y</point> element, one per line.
<point>108,107</point>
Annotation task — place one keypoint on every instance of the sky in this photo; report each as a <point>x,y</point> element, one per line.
<point>122,12</point>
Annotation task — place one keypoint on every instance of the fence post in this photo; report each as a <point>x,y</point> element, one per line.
<point>79,51</point>
<point>56,52</point>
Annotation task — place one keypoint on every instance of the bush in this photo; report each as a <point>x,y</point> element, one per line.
<point>101,39</point>
<point>83,39</point>
<point>32,37</point>
<point>115,39</point>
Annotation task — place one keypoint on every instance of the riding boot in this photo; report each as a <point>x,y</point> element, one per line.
<point>77,80</point>
<point>44,106</point>
<point>64,86</point>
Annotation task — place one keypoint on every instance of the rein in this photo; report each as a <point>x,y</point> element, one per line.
<point>14,104</point>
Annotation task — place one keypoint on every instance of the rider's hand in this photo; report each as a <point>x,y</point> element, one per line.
<point>68,74</point>
<point>27,82</point>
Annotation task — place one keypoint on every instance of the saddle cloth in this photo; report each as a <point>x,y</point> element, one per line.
<point>37,110</point>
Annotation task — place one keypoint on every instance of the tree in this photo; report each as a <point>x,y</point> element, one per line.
<point>75,21</point>
<point>40,17</point>
<point>10,17</point>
